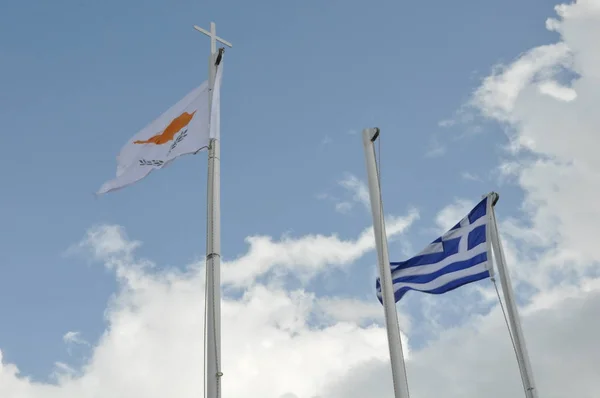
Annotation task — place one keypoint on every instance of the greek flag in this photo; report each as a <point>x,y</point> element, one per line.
<point>460,256</point>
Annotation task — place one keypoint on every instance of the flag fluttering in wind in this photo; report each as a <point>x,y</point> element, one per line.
<point>460,256</point>
<point>183,129</point>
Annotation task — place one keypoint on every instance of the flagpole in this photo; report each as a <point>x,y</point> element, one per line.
<point>389,304</point>
<point>511,307</point>
<point>212,365</point>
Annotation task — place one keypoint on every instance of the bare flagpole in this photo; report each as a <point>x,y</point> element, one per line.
<point>385,275</point>
<point>511,306</point>
<point>212,366</point>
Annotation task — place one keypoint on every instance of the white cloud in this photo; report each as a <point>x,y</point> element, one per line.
<point>153,344</point>
<point>477,359</point>
<point>354,310</point>
<point>74,338</point>
<point>560,176</point>
<point>343,207</point>
<point>499,94</point>
<point>447,123</point>
<point>435,148</point>
<point>453,213</point>
<point>306,255</point>
<point>555,90</point>
<point>358,189</point>
<point>358,194</point>
<point>351,310</point>
<point>273,345</point>
<point>62,369</point>
<point>470,176</point>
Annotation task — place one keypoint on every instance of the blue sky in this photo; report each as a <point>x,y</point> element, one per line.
<point>303,78</point>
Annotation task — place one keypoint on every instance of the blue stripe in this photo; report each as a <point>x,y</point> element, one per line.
<point>475,214</point>
<point>456,283</point>
<point>476,236</point>
<point>478,211</point>
<point>449,248</point>
<point>452,267</point>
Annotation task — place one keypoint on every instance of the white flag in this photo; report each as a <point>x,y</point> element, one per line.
<point>182,129</point>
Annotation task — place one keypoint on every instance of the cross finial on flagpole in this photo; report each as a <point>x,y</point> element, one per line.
<point>213,37</point>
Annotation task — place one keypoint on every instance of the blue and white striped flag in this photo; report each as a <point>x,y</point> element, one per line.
<point>460,256</point>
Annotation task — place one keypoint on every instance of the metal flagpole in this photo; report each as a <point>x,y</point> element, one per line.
<point>511,306</point>
<point>212,365</point>
<point>387,292</point>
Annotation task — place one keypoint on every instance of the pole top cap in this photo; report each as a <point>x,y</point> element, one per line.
<point>495,197</point>
<point>375,133</point>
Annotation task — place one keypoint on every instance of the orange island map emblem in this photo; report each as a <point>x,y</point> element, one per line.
<point>169,132</point>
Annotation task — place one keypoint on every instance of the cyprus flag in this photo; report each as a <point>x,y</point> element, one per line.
<point>183,129</point>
